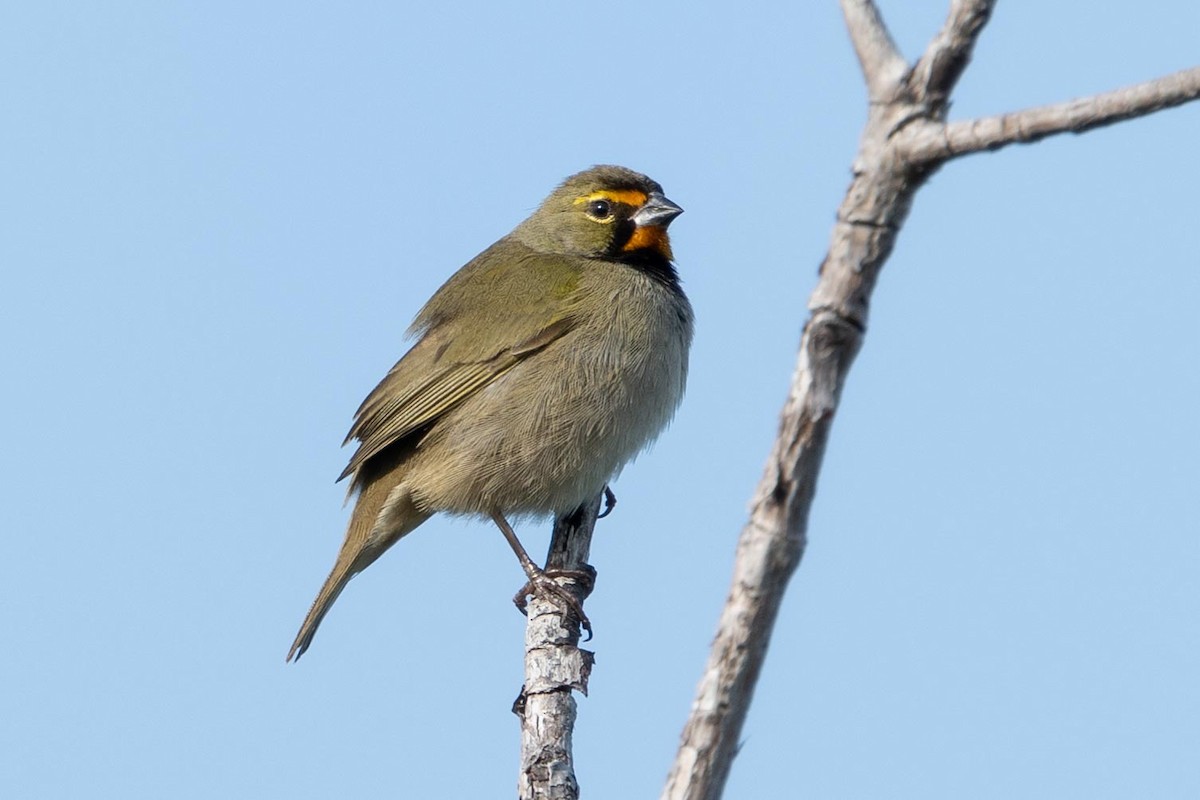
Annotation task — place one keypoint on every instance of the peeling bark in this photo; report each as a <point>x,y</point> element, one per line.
<point>555,667</point>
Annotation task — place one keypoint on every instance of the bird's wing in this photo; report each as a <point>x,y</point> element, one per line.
<point>452,360</point>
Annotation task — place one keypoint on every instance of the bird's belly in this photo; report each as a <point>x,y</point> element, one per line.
<point>527,451</point>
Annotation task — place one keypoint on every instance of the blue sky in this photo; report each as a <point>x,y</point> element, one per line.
<point>216,221</point>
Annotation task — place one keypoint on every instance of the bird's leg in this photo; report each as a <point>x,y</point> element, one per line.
<point>539,580</point>
<point>610,502</point>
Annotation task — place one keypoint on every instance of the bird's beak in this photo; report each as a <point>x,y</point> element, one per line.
<point>658,210</point>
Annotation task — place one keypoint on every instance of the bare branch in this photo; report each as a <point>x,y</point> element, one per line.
<point>772,542</point>
<point>769,550</point>
<point>881,61</point>
<point>555,666</point>
<point>937,71</point>
<point>938,143</point>
<point>904,142</point>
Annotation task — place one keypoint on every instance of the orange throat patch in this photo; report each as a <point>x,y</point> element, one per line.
<point>650,237</point>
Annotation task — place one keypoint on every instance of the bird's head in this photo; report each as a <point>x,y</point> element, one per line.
<point>603,212</point>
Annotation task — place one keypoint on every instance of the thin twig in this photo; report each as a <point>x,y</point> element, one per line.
<point>937,71</point>
<point>940,143</point>
<point>881,61</point>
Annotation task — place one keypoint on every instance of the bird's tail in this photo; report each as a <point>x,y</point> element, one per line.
<point>367,537</point>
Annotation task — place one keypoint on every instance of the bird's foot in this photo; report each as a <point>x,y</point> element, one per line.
<point>542,582</point>
<point>610,502</point>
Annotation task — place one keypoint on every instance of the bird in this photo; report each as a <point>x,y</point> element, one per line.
<point>539,369</point>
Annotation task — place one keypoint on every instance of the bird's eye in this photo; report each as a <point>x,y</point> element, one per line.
<point>599,209</point>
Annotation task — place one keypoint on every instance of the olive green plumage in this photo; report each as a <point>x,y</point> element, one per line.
<point>541,368</point>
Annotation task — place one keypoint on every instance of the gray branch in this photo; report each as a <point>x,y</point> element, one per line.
<point>936,73</point>
<point>938,143</point>
<point>555,667</point>
<point>881,61</point>
<point>904,142</point>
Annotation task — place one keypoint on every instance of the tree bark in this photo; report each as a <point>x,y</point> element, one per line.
<point>555,666</point>
<point>906,139</point>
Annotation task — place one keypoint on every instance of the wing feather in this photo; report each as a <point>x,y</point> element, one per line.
<point>394,410</point>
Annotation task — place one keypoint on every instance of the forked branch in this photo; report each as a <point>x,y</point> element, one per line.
<point>906,139</point>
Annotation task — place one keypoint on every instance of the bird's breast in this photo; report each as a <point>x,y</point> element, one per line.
<point>558,426</point>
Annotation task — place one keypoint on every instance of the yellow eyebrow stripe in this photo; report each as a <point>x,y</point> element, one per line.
<point>632,197</point>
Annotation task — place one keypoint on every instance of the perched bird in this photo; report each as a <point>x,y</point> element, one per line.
<point>541,368</point>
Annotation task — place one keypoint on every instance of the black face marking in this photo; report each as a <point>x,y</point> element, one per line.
<point>655,266</point>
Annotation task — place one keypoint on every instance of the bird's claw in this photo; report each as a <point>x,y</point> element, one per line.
<point>543,582</point>
<point>610,502</point>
